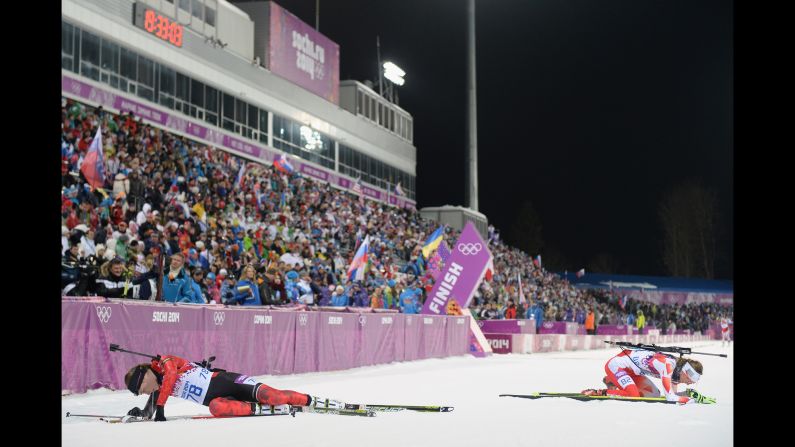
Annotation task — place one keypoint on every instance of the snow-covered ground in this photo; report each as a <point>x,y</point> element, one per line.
<point>471,385</point>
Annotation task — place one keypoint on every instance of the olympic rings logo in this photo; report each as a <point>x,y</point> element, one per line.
<point>470,248</point>
<point>103,313</point>
<point>218,318</point>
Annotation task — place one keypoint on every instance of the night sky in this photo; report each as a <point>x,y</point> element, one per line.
<point>589,109</point>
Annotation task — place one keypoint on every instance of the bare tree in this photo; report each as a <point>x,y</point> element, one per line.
<point>688,214</point>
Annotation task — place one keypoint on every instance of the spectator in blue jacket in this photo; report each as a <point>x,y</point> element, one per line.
<point>198,296</point>
<point>247,289</point>
<point>535,311</point>
<point>177,284</point>
<point>291,286</point>
<point>408,302</point>
<point>339,298</point>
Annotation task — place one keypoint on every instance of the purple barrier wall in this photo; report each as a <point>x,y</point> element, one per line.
<point>500,343</point>
<point>613,329</point>
<point>252,341</point>
<point>562,327</point>
<point>508,326</point>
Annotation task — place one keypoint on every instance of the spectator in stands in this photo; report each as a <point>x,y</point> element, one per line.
<point>338,298</point>
<point>247,290</point>
<point>490,312</point>
<point>210,290</point>
<point>197,275</point>
<point>590,322</point>
<point>640,323</point>
<point>177,284</point>
<point>510,310</point>
<point>119,283</point>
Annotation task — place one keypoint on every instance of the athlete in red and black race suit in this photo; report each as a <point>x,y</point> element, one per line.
<point>626,375</point>
<point>226,393</point>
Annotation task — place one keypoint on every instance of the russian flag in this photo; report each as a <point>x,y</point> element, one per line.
<point>580,273</point>
<point>623,301</point>
<point>93,167</point>
<point>283,165</point>
<point>240,174</point>
<point>359,264</point>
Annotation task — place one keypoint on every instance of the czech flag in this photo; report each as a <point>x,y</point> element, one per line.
<point>359,264</point>
<point>283,165</point>
<point>580,273</point>
<point>432,242</point>
<point>399,190</point>
<point>623,302</point>
<point>537,261</point>
<point>93,167</point>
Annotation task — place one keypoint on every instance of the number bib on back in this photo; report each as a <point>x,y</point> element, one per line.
<point>193,384</point>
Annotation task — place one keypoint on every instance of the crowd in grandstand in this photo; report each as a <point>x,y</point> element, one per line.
<point>234,232</point>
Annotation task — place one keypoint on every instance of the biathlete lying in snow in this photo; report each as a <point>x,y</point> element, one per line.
<point>626,376</point>
<point>226,393</point>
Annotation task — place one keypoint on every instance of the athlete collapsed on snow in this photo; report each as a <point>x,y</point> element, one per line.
<point>626,376</point>
<point>226,393</point>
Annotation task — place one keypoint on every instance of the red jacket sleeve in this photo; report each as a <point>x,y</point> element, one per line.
<point>170,367</point>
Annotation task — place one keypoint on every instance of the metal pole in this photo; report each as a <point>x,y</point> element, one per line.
<point>472,124</point>
<point>317,15</point>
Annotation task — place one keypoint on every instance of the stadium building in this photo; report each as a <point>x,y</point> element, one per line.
<point>250,78</point>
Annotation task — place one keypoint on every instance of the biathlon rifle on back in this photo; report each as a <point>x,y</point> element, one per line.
<point>672,349</point>
<point>204,363</point>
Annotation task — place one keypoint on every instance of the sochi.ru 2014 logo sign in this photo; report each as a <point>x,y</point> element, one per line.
<point>302,319</point>
<point>362,319</point>
<point>470,248</point>
<point>218,318</point>
<point>103,313</point>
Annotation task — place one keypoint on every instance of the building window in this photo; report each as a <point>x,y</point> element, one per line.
<point>185,4</point>
<point>67,46</point>
<point>89,56</point>
<point>110,56</point>
<point>198,10</point>
<point>146,78</point>
<point>209,16</point>
<point>129,64</point>
<point>197,93</point>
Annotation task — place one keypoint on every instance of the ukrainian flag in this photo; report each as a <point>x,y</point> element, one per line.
<point>432,242</point>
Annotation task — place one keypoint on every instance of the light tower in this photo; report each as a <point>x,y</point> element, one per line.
<point>472,118</point>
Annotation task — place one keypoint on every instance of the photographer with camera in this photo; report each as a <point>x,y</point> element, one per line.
<point>120,283</point>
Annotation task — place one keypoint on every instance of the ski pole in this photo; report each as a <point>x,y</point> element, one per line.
<point>68,414</point>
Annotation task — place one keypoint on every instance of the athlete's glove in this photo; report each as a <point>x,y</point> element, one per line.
<point>136,412</point>
<point>159,414</point>
<point>700,398</point>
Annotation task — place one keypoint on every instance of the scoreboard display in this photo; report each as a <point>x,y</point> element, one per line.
<point>157,24</point>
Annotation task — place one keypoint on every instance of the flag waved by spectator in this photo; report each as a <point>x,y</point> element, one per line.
<point>359,264</point>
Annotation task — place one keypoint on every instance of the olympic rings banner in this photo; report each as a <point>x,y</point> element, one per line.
<point>461,274</point>
<point>245,339</point>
